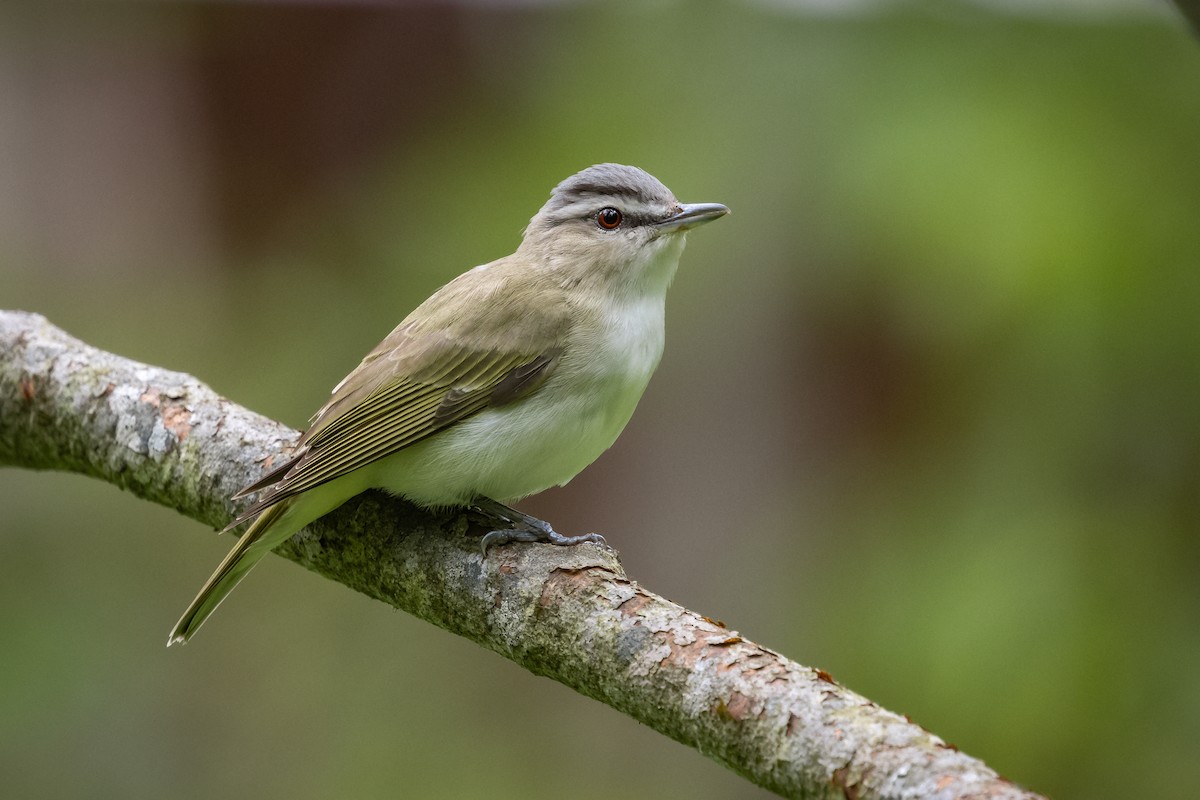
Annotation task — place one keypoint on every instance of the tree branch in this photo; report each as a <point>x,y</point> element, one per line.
<point>568,613</point>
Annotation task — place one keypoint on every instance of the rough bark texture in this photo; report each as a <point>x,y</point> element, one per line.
<point>567,613</point>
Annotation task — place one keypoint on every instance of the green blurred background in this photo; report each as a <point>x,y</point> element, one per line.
<point>927,417</point>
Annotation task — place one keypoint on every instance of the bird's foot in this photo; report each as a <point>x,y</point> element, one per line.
<point>524,528</point>
<point>548,536</point>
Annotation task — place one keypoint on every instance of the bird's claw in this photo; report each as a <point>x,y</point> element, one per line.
<point>546,536</point>
<point>526,529</point>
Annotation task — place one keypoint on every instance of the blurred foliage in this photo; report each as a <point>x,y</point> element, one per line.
<point>927,418</point>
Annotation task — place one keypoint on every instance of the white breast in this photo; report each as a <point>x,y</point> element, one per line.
<point>547,438</point>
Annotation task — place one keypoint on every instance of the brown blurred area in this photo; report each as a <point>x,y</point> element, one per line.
<point>927,416</point>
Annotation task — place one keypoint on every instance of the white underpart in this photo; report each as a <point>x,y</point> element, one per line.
<point>547,438</point>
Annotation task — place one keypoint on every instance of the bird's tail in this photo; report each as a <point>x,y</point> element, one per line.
<point>258,540</point>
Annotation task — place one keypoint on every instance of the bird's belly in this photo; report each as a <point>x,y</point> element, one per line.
<point>510,452</point>
<point>515,450</point>
<point>544,439</point>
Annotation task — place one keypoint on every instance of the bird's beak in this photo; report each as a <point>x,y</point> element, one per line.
<point>690,215</point>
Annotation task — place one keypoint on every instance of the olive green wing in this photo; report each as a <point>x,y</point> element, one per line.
<point>413,385</point>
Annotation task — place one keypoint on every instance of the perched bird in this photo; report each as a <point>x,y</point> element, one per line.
<point>510,379</point>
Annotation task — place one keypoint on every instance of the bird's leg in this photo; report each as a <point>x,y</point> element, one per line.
<point>523,528</point>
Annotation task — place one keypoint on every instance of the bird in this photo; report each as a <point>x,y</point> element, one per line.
<point>510,379</point>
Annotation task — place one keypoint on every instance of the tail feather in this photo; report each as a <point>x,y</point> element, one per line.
<point>258,540</point>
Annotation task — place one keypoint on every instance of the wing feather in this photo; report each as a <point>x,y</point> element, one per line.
<point>459,358</point>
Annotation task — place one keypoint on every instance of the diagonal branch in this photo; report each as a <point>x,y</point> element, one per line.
<point>567,613</point>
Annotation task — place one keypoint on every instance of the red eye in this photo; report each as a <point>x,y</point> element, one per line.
<point>608,218</point>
